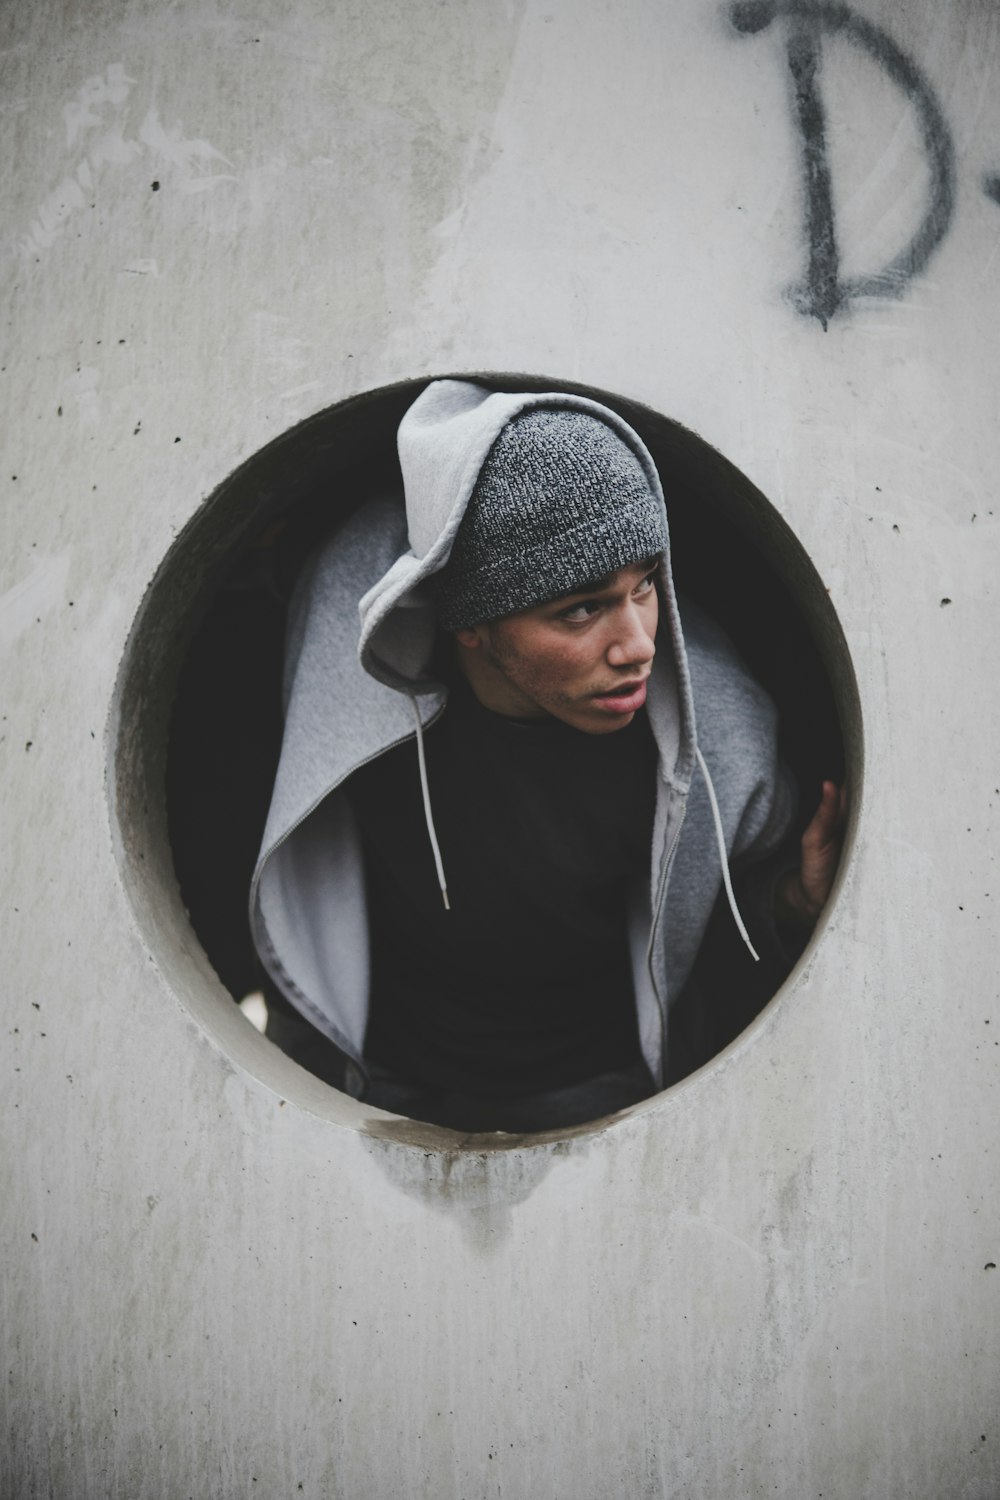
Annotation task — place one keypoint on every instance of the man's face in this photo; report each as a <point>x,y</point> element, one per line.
<point>583,658</point>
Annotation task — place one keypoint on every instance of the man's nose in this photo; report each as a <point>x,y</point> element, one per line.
<point>632,645</point>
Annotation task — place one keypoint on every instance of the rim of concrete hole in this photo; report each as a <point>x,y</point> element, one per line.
<point>269,484</point>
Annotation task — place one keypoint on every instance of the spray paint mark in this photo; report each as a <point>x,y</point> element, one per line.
<point>991,186</point>
<point>823,292</point>
<point>822,285</point>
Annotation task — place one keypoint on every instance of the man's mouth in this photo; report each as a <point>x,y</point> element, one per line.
<point>626,698</point>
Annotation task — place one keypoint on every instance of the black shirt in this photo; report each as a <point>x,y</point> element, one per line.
<point>525,983</point>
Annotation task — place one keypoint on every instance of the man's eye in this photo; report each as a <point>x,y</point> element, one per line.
<point>580,612</point>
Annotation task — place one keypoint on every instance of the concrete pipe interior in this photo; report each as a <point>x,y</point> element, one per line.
<point>196,731</point>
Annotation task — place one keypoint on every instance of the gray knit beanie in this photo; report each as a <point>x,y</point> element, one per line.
<point>560,502</point>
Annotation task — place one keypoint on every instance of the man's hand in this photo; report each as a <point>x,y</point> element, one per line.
<point>801,894</point>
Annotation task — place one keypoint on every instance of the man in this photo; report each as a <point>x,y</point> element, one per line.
<point>491,923</point>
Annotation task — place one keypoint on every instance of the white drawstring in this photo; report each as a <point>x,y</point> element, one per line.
<point>427,805</point>
<point>721,838</point>
<point>716,818</point>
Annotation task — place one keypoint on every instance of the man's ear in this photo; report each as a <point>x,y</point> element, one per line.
<point>471,636</point>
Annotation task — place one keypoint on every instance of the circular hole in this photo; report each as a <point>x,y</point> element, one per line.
<point>197,727</point>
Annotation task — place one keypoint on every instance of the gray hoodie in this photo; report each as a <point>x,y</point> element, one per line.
<point>358,680</point>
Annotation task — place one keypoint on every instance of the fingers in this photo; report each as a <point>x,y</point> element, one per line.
<point>821,843</point>
<point>824,827</point>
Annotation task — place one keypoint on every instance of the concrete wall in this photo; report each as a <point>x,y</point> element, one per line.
<point>223,1279</point>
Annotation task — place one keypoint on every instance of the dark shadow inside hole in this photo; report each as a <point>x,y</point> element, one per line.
<point>731,553</point>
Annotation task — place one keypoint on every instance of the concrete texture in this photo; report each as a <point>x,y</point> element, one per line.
<point>222,1278</point>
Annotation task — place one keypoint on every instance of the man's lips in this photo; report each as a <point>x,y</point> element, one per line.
<point>624,699</point>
